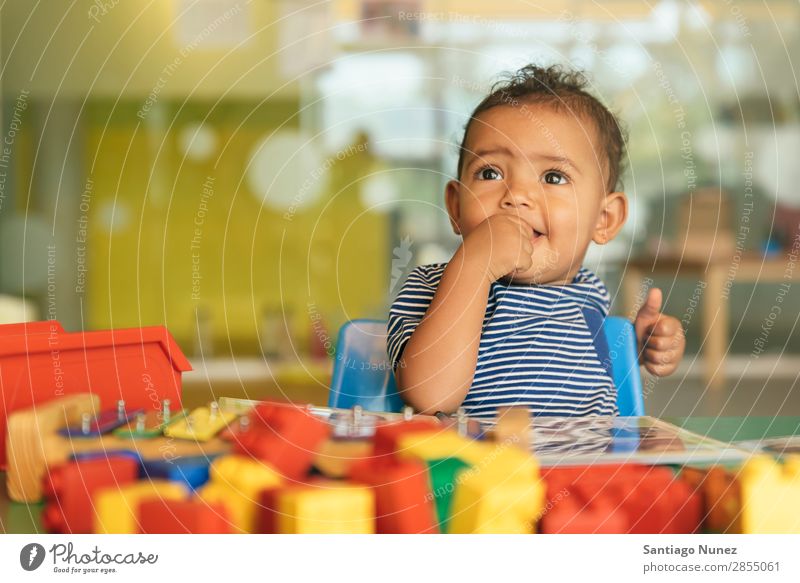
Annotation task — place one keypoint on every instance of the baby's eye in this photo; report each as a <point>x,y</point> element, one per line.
<point>488,173</point>
<point>554,177</point>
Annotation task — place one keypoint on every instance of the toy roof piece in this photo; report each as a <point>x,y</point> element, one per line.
<point>40,361</point>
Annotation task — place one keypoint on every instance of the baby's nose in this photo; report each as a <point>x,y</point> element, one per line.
<point>517,198</point>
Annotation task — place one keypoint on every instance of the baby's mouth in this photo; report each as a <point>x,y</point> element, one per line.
<point>536,235</point>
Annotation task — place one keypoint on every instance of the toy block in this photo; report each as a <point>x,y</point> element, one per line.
<point>484,504</point>
<point>69,489</point>
<point>329,508</point>
<point>686,516</point>
<point>650,499</point>
<point>506,462</point>
<point>285,437</point>
<point>443,478</point>
<point>40,360</point>
<point>245,474</point>
<point>117,507</point>
<point>183,516</point>
<point>335,457</point>
<point>501,493</point>
<point>404,501</point>
<point>659,503</point>
<point>103,422</point>
<point>513,427</point>
<point>570,516</point>
<point>34,444</point>
<point>192,471</point>
<point>29,441</point>
<point>770,494</point>
<point>449,455</point>
<point>387,435</point>
<point>274,413</point>
<point>151,424</point>
<point>201,424</point>
<point>428,446</point>
<point>267,515</point>
<point>236,482</point>
<point>241,510</point>
<point>720,493</point>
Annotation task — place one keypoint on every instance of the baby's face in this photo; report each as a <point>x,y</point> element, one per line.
<point>546,167</point>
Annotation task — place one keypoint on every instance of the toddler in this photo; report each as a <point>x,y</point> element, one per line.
<point>514,318</point>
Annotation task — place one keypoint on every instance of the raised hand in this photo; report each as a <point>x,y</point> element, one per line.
<point>660,337</point>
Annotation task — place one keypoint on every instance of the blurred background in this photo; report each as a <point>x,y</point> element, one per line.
<point>252,174</point>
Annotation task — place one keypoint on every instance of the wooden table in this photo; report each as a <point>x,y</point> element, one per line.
<point>718,275</point>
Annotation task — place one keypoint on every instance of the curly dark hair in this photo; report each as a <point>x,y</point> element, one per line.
<point>561,89</point>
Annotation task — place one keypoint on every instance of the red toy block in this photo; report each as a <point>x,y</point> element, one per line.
<point>69,490</point>
<point>266,521</point>
<point>568,516</point>
<point>404,503</point>
<point>650,499</point>
<point>284,436</point>
<point>39,362</point>
<point>183,516</point>
<point>388,435</point>
<point>688,516</point>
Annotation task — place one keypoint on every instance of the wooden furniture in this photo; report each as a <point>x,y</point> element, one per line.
<point>718,275</point>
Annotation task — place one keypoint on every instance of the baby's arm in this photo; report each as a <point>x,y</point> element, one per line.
<point>436,368</point>
<point>438,363</point>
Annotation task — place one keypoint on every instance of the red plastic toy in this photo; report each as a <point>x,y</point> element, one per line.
<point>404,503</point>
<point>266,521</point>
<point>569,517</point>
<point>627,498</point>
<point>39,362</point>
<point>284,436</point>
<point>183,516</point>
<point>69,490</point>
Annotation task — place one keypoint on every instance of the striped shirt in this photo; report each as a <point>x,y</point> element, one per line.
<point>542,346</point>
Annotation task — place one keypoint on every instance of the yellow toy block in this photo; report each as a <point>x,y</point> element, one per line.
<point>331,508</point>
<point>428,446</point>
<point>487,503</point>
<point>770,494</point>
<point>235,482</point>
<point>500,493</point>
<point>117,508</point>
<point>506,461</point>
<point>201,424</point>
<point>244,473</point>
<point>502,458</point>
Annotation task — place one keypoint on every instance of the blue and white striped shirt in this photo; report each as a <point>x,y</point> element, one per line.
<point>542,346</point>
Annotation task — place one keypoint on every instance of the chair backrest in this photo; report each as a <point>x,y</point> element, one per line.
<point>362,372</point>
<point>624,355</point>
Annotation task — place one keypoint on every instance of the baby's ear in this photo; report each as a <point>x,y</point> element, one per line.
<point>613,213</point>
<point>453,204</point>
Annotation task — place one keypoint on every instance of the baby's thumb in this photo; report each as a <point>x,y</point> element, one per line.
<point>654,299</point>
<point>651,308</point>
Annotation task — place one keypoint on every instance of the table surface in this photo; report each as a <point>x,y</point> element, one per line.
<point>750,266</point>
<point>16,518</point>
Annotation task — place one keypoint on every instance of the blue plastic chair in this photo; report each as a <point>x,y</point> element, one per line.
<point>362,372</point>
